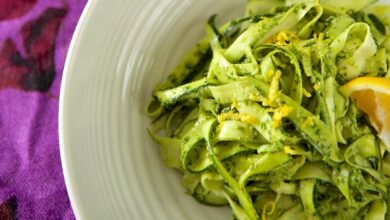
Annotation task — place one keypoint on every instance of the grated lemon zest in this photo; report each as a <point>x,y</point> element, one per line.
<point>280,113</point>
<point>306,93</point>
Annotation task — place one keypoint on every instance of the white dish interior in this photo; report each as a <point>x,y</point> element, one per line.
<point>120,51</point>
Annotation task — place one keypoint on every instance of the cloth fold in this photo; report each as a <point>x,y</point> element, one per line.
<point>34,39</point>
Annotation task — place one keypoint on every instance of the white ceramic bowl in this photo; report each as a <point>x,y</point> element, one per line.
<point>120,50</point>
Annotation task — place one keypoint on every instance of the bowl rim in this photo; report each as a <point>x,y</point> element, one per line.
<point>64,154</point>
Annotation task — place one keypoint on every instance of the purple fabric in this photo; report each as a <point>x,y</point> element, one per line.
<point>34,39</point>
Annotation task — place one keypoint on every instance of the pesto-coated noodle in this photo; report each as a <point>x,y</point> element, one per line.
<point>254,119</point>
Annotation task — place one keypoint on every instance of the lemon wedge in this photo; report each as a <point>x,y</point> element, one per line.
<point>372,95</point>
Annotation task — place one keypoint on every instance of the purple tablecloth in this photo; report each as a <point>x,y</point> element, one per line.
<point>34,38</point>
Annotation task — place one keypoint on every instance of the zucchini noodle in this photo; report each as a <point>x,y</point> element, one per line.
<point>253,117</point>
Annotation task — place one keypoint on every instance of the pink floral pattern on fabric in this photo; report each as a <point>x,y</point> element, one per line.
<point>34,37</point>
